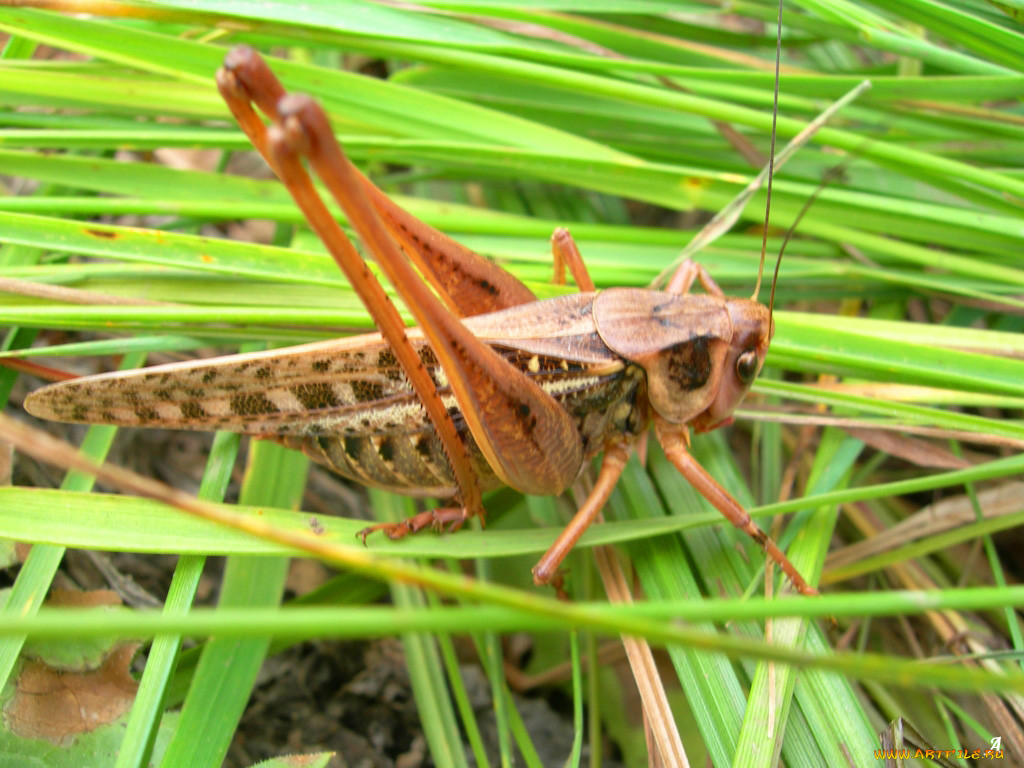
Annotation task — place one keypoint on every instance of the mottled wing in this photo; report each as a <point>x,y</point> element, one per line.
<point>339,387</point>
<point>310,389</point>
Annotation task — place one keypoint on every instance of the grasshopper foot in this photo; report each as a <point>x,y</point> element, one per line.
<point>446,520</point>
<point>556,581</point>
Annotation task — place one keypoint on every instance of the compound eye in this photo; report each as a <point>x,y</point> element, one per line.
<point>746,366</point>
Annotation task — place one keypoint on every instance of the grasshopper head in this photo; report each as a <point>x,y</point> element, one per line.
<point>752,331</point>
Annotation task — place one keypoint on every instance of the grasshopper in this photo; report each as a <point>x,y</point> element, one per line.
<point>492,388</point>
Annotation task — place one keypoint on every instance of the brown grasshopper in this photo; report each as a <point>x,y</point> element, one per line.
<point>493,387</point>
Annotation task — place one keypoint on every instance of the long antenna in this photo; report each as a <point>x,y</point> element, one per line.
<point>832,173</point>
<point>771,162</point>
<point>727,216</point>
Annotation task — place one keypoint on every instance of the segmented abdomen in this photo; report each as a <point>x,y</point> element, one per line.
<point>411,459</point>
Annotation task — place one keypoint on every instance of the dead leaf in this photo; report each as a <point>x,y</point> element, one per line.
<point>932,520</point>
<point>57,706</point>
<point>76,598</point>
<point>922,453</point>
